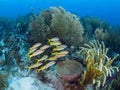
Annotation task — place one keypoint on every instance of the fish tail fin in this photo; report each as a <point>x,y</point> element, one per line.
<point>50,44</point>
<point>39,70</point>
<point>48,40</point>
<point>38,61</point>
<point>30,49</point>
<point>53,50</point>
<point>29,68</point>
<point>46,60</point>
<point>29,56</point>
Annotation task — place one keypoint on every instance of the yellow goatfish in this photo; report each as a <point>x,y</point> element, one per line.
<point>35,53</point>
<point>44,47</point>
<point>53,39</point>
<point>60,53</point>
<point>46,66</point>
<point>55,43</point>
<point>34,65</point>
<point>35,46</point>
<point>53,58</point>
<point>63,53</point>
<point>31,51</point>
<point>59,48</point>
<point>42,58</point>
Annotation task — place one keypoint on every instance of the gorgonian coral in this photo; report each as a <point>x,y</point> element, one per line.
<point>56,22</point>
<point>98,63</point>
<point>66,26</point>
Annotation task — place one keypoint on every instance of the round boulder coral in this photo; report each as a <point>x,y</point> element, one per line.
<point>69,70</point>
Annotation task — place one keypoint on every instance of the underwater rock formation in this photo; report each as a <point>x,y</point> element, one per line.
<point>69,72</point>
<point>69,69</point>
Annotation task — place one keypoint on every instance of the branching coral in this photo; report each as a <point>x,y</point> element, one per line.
<point>101,34</point>
<point>91,74</point>
<point>90,24</point>
<point>98,63</point>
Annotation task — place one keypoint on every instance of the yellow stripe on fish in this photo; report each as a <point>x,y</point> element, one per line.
<point>36,53</point>
<point>44,47</point>
<point>60,53</point>
<point>34,65</point>
<point>53,39</point>
<point>55,57</point>
<point>46,66</point>
<point>59,48</point>
<point>35,46</point>
<point>42,58</point>
<point>52,58</point>
<point>55,43</point>
<point>32,50</point>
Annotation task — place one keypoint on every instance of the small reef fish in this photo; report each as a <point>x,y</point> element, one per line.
<point>35,53</point>
<point>31,51</point>
<point>63,53</point>
<point>44,47</point>
<point>55,43</point>
<point>53,58</point>
<point>53,39</point>
<point>42,58</point>
<point>56,57</point>
<point>60,53</point>
<point>59,48</point>
<point>35,46</point>
<point>46,66</point>
<point>34,65</point>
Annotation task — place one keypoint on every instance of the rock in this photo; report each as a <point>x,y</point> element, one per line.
<point>68,67</point>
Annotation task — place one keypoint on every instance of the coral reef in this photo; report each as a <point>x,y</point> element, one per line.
<point>95,66</point>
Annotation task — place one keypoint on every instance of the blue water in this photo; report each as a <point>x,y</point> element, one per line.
<point>107,10</point>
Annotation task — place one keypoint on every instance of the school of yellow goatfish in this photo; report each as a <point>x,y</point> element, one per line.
<point>58,51</point>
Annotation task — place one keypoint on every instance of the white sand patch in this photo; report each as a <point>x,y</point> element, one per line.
<point>29,83</point>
